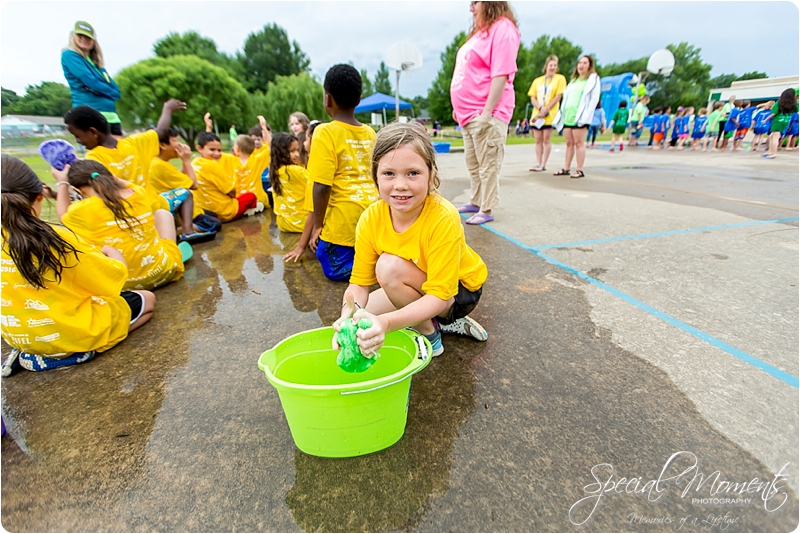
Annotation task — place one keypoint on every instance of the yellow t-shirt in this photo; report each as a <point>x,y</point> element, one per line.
<point>544,93</point>
<point>290,212</point>
<point>213,187</point>
<point>340,158</point>
<point>163,176</point>
<point>84,312</point>
<point>248,176</point>
<point>434,242</point>
<point>152,262</point>
<point>131,159</point>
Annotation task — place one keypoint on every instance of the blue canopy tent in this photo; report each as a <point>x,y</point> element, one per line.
<point>380,101</point>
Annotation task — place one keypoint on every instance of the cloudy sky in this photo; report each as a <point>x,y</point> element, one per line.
<point>735,37</point>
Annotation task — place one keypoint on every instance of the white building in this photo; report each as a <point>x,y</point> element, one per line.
<point>756,91</point>
<point>31,125</point>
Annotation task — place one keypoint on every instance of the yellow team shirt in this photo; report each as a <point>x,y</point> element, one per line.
<point>131,159</point>
<point>434,242</point>
<point>163,177</point>
<point>544,93</point>
<point>84,312</point>
<point>248,176</point>
<point>340,158</point>
<point>152,261</point>
<point>290,212</point>
<point>214,186</point>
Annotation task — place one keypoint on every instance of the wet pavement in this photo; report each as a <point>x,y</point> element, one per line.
<point>176,429</point>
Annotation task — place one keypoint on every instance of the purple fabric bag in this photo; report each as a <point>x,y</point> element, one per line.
<point>58,153</point>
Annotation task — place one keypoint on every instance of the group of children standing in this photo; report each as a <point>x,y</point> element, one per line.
<point>71,291</point>
<point>713,130</point>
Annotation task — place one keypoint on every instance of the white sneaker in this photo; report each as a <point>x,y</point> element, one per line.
<point>252,211</point>
<point>466,326</point>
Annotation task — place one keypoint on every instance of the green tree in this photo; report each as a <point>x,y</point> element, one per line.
<point>287,94</point>
<point>439,105</point>
<point>753,75</point>
<point>632,65</point>
<point>9,99</point>
<point>204,87</point>
<point>723,80</point>
<point>382,83</point>
<point>530,62</point>
<point>192,43</point>
<point>48,99</point>
<point>268,54</point>
<point>366,84</point>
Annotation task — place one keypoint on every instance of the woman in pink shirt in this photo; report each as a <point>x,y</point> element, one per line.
<point>482,94</point>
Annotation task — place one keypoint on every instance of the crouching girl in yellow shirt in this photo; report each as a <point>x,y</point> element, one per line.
<point>62,298</point>
<point>411,242</point>
<point>124,216</point>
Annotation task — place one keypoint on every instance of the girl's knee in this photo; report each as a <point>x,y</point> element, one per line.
<point>149,301</point>
<point>391,269</point>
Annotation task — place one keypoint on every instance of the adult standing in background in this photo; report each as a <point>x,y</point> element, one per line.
<point>482,94</point>
<point>545,93</point>
<point>579,102</point>
<point>89,82</point>
<point>637,120</point>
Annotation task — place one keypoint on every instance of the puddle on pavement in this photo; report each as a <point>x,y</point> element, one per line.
<point>167,430</point>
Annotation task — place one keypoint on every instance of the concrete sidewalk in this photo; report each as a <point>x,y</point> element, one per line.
<point>627,314</point>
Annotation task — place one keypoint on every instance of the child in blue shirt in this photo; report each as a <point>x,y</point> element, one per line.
<point>745,120</point>
<point>699,130</point>
<point>655,124</point>
<point>676,128</point>
<point>791,132</point>
<point>732,124</point>
<point>761,124</point>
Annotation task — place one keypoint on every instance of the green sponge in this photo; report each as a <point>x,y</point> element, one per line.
<point>350,358</point>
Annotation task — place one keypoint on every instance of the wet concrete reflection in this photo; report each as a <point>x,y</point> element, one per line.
<point>391,489</point>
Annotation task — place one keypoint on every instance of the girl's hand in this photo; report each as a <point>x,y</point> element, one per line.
<point>371,339</point>
<point>208,121</point>
<point>47,192</point>
<point>60,176</point>
<point>184,152</point>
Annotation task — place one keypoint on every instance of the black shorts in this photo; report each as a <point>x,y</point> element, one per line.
<point>465,302</point>
<point>544,127</point>
<point>576,126</point>
<point>116,129</point>
<point>135,301</point>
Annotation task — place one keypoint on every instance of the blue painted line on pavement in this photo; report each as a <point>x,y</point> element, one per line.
<point>660,234</point>
<point>711,340</point>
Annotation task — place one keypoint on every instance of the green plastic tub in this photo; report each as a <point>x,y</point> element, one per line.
<point>335,414</point>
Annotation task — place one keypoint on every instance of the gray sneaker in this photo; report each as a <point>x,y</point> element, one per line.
<point>466,326</point>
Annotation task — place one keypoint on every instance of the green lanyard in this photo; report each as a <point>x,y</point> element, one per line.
<point>103,74</point>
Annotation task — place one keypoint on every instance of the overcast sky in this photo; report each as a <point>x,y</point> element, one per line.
<point>735,37</point>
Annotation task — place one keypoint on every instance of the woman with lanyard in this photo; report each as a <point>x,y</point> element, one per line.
<point>580,100</point>
<point>89,83</point>
<point>545,93</point>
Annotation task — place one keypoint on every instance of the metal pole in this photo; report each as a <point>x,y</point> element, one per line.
<point>397,98</point>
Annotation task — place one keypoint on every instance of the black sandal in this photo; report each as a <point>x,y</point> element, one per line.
<point>562,172</point>
<point>578,174</point>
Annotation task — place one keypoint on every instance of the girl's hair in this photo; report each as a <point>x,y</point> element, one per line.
<point>301,138</point>
<point>95,54</point>
<point>551,57</point>
<point>702,111</point>
<point>94,174</point>
<point>34,246</point>
<point>489,13</point>
<point>395,135</point>
<point>591,66</point>
<point>302,118</point>
<point>623,104</point>
<point>786,102</point>
<point>279,157</point>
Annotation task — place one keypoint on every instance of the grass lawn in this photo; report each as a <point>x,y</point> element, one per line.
<point>453,136</point>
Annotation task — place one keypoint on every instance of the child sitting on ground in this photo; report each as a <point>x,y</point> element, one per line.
<point>173,184</point>
<point>308,204</point>
<point>122,215</point>
<point>618,124</point>
<point>216,189</point>
<point>339,167</point>
<point>289,181</point>
<point>128,158</point>
<point>411,242</point>
<point>62,297</point>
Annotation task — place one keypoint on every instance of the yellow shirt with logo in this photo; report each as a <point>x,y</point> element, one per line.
<point>290,211</point>
<point>152,261</point>
<point>248,175</point>
<point>434,243</point>
<point>213,188</point>
<point>81,313</point>
<point>131,159</point>
<point>340,158</point>
<point>163,177</point>
<point>544,93</point>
